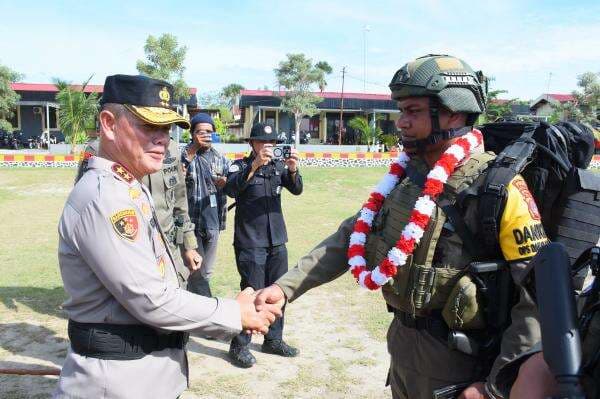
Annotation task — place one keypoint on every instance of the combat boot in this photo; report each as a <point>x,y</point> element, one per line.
<point>241,357</point>
<point>279,347</point>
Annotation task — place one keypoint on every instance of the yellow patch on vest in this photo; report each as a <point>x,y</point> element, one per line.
<point>448,63</point>
<point>521,231</point>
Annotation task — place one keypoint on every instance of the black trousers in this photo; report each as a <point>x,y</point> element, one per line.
<point>259,268</point>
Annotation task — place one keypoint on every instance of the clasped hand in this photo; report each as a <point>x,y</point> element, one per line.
<point>258,314</point>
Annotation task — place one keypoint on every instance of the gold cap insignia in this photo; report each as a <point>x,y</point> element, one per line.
<point>165,96</point>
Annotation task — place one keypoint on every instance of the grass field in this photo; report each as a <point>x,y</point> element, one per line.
<point>33,329</point>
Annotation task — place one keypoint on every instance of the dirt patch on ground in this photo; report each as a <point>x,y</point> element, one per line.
<point>338,357</point>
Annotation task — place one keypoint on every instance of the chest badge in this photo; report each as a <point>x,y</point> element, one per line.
<point>125,223</point>
<point>134,193</point>
<point>161,266</point>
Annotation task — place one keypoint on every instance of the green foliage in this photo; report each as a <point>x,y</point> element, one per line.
<point>588,97</point>
<point>186,136</point>
<point>297,75</point>
<point>567,111</point>
<point>389,140</point>
<point>369,131</point>
<point>164,60</point>
<point>8,97</point>
<point>231,92</point>
<point>77,111</point>
<point>495,109</point>
<point>220,127</point>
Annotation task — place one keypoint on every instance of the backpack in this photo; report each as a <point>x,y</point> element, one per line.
<point>552,160</point>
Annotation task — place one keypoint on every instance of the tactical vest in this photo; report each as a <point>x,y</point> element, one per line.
<point>419,287</point>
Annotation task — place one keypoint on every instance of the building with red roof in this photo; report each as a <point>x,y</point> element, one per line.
<point>543,106</point>
<point>37,109</point>
<point>265,106</point>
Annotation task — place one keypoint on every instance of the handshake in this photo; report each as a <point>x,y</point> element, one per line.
<point>259,309</point>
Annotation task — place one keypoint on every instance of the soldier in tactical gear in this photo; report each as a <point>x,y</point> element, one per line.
<point>439,296</point>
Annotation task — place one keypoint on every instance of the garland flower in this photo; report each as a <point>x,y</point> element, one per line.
<point>419,218</point>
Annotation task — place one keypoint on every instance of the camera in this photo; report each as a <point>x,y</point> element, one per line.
<point>282,151</point>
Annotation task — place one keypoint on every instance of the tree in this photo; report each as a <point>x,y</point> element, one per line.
<point>369,131</point>
<point>231,92</point>
<point>8,97</point>
<point>496,108</point>
<point>77,112</point>
<point>588,98</point>
<point>164,60</point>
<point>326,68</point>
<point>297,75</point>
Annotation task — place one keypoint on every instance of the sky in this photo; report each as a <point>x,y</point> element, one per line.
<point>528,47</point>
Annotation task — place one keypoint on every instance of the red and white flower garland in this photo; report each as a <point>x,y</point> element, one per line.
<point>419,218</point>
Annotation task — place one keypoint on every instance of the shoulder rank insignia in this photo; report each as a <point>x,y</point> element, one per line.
<point>122,173</point>
<point>126,224</point>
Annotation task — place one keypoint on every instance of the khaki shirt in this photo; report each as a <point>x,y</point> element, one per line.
<point>116,269</point>
<point>168,190</point>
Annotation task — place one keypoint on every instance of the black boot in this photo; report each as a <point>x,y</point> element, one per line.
<point>240,356</point>
<point>279,347</point>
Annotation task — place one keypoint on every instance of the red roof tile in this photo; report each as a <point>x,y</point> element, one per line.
<point>49,87</point>
<point>325,94</point>
<point>561,97</point>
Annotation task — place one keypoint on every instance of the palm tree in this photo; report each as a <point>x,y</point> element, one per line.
<point>77,111</point>
<point>370,132</point>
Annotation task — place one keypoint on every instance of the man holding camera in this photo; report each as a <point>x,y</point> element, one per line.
<point>206,171</point>
<point>260,234</point>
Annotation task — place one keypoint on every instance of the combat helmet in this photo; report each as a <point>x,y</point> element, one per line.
<point>448,82</point>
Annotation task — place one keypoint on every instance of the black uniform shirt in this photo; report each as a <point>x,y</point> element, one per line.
<point>258,218</point>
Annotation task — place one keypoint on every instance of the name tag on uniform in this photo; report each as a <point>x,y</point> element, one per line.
<point>213,200</point>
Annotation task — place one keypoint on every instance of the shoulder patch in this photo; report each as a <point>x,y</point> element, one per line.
<point>521,186</point>
<point>521,231</point>
<point>234,168</point>
<point>121,172</point>
<point>126,224</point>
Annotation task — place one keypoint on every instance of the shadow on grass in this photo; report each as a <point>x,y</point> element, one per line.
<point>34,341</point>
<point>40,300</point>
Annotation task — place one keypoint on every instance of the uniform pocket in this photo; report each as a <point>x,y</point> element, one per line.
<point>171,181</point>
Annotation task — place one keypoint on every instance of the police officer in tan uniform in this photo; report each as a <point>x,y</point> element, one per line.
<point>128,316</point>
<point>439,97</point>
<point>167,187</point>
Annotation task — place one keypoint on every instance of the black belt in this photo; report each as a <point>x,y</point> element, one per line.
<point>436,326</point>
<point>120,341</point>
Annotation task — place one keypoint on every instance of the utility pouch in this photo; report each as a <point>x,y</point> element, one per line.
<point>462,310</point>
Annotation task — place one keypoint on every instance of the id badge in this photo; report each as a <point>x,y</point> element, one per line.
<point>213,200</point>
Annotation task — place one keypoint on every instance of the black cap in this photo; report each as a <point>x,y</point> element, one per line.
<point>147,98</point>
<point>263,132</point>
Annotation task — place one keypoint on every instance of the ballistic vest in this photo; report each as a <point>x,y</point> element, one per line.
<point>419,287</point>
